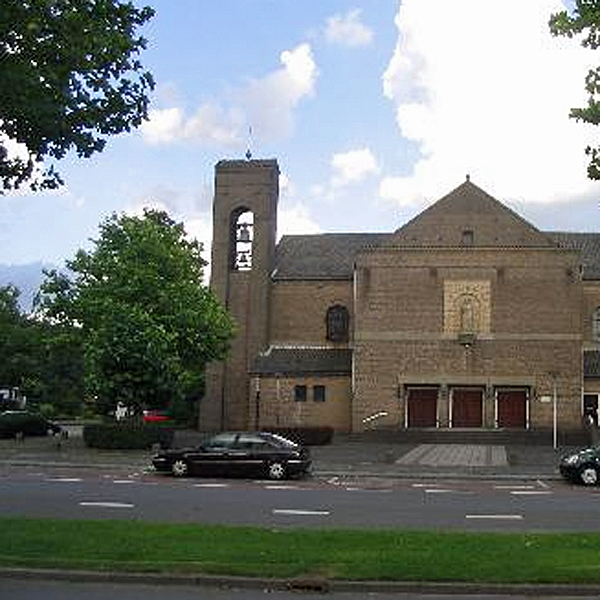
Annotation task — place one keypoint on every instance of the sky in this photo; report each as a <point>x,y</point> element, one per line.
<point>374,109</point>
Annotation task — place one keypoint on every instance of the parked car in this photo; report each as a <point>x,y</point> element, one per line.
<point>582,466</point>
<point>156,416</point>
<point>236,454</point>
<point>13,422</point>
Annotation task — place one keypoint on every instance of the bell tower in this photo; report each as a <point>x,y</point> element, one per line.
<point>242,259</point>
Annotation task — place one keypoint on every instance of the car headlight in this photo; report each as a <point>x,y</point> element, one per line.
<point>571,460</point>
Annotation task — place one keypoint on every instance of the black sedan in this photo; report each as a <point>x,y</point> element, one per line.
<point>582,467</point>
<point>236,454</point>
<point>22,422</point>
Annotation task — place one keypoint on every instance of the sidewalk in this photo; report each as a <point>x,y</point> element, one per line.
<point>344,457</point>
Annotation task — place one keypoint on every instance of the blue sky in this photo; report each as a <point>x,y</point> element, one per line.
<point>373,108</point>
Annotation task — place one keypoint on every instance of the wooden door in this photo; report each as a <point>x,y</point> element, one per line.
<point>422,407</point>
<point>467,407</point>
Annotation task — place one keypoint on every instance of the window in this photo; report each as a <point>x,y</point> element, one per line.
<point>319,393</point>
<point>337,320</point>
<point>468,237</point>
<point>596,326</point>
<point>300,393</point>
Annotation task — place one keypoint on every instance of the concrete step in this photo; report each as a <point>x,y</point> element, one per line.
<point>470,436</point>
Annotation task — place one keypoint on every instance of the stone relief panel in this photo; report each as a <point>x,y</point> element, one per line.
<point>467,307</point>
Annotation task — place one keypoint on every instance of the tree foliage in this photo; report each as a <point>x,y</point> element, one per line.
<point>148,323</point>
<point>71,77</point>
<point>43,359</point>
<point>584,21</point>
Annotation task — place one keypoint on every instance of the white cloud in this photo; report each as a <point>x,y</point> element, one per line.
<point>353,166</point>
<point>348,30</point>
<point>296,220</point>
<point>267,104</point>
<point>483,88</point>
<point>163,126</point>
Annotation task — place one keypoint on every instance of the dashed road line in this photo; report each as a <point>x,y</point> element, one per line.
<point>283,487</point>
<point>64,479</point>
<point>300,512</point>
<point>496,517</point>
<point>531,492</point>
<point>211,485</point>
<point>107,504</point>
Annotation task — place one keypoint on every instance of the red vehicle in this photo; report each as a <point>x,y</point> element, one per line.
<point>156,416</point>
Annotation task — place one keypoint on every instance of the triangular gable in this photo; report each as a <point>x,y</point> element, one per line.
<point>468,216</point>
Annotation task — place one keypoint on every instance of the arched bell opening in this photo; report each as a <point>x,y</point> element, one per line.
<point>242,237</point>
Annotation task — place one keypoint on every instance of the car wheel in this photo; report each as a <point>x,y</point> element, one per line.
<point>179,468</point>
<point>588,475</point>
<point>276,470</point>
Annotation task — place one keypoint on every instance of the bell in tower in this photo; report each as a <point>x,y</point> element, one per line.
<point>243,241</point>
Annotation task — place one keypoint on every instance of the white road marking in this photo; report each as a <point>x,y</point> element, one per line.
<point>362,489</point>
<point>211,485</point>
<point>123,481</point>
<point>531,492</point>
<point>514,487</point>
<point>425,485</point>
<point>543,484</point>
<point>299,512</point>
<point>108,504</point>
<point>282,487</point>
<point>65,479</point>
<point>499,517</point>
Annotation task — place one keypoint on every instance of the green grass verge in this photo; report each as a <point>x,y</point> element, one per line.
<point>393,555</point>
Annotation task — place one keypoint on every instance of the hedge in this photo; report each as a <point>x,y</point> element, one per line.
<point>127,436</point>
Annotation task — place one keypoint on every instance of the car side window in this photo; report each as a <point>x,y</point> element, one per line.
<point>223,440</point>
<point>251,442</point>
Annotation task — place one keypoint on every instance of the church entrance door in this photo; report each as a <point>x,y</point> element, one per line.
<point>511,407</point>
<point>422,407</point>
<point>466,407</point>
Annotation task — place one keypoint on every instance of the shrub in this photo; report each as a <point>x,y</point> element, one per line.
<point>127,436</point>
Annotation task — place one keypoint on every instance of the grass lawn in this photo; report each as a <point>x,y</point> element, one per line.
<point>393,555</point>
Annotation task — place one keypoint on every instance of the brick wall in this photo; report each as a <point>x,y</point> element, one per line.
<point>299,309</point>
<point>279,408</point>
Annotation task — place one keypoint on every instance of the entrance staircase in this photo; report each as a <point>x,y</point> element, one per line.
<point>472,436</point>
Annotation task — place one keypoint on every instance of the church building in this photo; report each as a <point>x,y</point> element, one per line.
<point>467,316</point>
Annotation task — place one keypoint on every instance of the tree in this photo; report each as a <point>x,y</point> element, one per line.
<point>14,347</point>
<point>43,359</point>
<point>148,323</point>
<point>584,19</point>
<point>70,77</point>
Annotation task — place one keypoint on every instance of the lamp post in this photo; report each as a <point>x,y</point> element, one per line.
<point>554,375</point>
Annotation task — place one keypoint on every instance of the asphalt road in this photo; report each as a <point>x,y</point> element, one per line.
<point>32,589</point>
<point>526,505</point>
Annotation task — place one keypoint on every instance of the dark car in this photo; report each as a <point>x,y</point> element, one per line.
<point>582,466</point>
<point>14,422</point>
<point>237,454</point>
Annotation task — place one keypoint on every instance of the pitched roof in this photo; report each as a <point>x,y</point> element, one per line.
<point>303,361</point>
<point>589,246</point>
<point>467,207</point>
<point>322,256</point>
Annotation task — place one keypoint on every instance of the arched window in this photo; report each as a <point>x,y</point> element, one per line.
<point>338,322</point>
<point>596,326</point>
<point>242,236</point>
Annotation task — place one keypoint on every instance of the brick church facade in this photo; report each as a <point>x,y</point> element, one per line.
<point>465,317</point>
